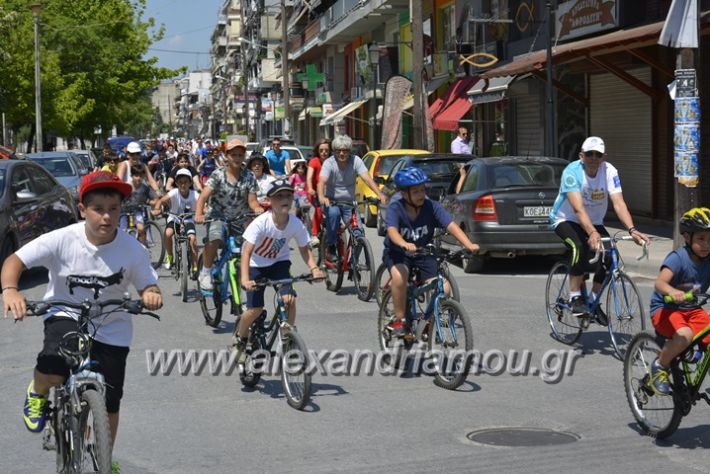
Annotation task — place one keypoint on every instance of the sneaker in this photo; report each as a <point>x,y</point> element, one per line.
<point>168,263</point>
<point>331,254</point>
<point>35,411</point>
<point>659,378</point>
<point>397,328</point>
<point>239,346</point>
<point>205,281</point>
<point>602,318</point>
<point>579,306</point>
<point>315,242</point>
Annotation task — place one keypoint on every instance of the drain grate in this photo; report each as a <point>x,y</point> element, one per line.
<point>521,437</point>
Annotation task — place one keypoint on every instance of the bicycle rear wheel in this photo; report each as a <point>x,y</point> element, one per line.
<point>363,268</point>
<point>565,326</point>
<point>658,415</point>
<point>382,282</point>
<point>154,244</point>
<point>624,311</point>
<point>211,305</point>
<point>94,436</point>
<point>184,268</point>
<point>453,345</point>
<point>295,375</point>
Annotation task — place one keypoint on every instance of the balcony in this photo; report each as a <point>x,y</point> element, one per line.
<point>269,30</point>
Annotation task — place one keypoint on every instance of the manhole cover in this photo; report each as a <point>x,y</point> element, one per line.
<point>521,437</point>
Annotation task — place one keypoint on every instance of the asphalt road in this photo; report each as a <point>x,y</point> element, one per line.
<point>380,423</point>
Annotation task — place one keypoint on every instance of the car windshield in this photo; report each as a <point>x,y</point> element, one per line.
<point>436,169</point>
<point>525,174</point>
<point>58,167</point>
<point>386,164</point>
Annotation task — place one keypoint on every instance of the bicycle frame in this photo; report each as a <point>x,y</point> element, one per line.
<point>432,309</point>
<point>346,246</point>
<point>226,270</point>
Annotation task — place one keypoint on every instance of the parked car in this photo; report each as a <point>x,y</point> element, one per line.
<point>379,163</point>
<point>64,166</point>
<point>251,147</point>
<point>32,203</point>
<point>504,206</point>
<point>87,157</point>
<point>441,168</point>
<point>294,152</point>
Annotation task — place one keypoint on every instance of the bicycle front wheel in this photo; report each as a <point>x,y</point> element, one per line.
<point>452,344</point>
<point>565,326</point>
<point>656,414</point>
<point>184,268</point>
<point>363,266</point>
<point>382,282</point>
<point>211,305</point>
<point>295,374</point>
<point>333,269</point>
<point>624,311</point>
<point>154,244</point>
<point>385,317</point>
<point>94,436</point>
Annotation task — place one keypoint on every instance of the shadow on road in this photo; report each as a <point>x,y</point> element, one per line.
<point>692,437</point>
<point>522,265</point>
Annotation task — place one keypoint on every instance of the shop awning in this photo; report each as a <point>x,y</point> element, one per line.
<point>449,118</point>
<point>457,91</point>
<point>433,85</point>
<point>490,90</point>
<point>341,113</point>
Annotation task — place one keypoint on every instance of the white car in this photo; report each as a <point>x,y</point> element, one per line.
<point>251,146</point>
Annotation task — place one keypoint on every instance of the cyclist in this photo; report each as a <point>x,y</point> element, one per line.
<point>578,216</point>
<point>110,162</point>
<point>79,257</point>
<point>321,152</point>
<point>134,203</point>
<point>685,269</point>
<point>259,165</point>
<point>411,220</point>
<point>336,182</point>
<point>278,158</point>
<point>208,165</point>
<point>266,255</point>
<point>183,162</point>
<point>231,191</point>
<point>133,152</point>
<point>182,199</point>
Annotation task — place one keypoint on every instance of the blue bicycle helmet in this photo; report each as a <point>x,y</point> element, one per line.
<point>410,176</point>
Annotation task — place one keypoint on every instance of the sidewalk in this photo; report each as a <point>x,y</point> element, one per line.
<point>661,245</point>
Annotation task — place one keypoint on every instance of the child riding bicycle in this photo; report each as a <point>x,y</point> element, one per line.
<point>134,204</point>
<point>88,260</point>
<point>266,255</point>
<point>683,270</point>
<point>411,220</point>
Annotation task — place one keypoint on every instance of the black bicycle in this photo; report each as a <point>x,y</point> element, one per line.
<point>181,250</point>
<point>77,422</point>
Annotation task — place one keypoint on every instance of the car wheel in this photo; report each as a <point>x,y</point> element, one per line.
<point>380,226</point>
<point>473,264</point>
<point>370,219</point>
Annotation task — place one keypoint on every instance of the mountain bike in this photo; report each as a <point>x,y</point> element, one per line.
<point>658,414</point>
<point>153,240</point>
<point>77,425</point>
<point>624,315</point>
<point>295,377</point>
<point>353,255</point>
<point>443,324</point>
<point>181,252</point>
<point>225,273</point>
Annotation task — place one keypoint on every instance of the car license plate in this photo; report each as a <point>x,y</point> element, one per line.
<point>536,211</point>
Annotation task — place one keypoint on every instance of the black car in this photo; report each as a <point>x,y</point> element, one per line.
<point>441,168</point>
<point>32,203</point>
<point>504,205</point>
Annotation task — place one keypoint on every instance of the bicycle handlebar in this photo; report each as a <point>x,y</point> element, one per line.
<point>617,238</point>
<point>697,299</point>
<point>264,282</point>
<point>437,252</point>
<point>39,308</point>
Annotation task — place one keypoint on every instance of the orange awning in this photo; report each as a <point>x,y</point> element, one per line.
<point>457,90</point>
<point>449,118</point>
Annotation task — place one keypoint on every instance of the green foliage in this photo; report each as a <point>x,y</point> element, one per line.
<point>92,64</point>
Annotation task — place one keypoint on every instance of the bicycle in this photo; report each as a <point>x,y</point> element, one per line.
<point>225,273</point>
<point>77,425</point>
<point>353,255</point>
<point>262,335</point>
<point>658,414</point>
<point>181,251</point>
<point>624,311</point>
<point>153,235</point>
<point>440,324</point>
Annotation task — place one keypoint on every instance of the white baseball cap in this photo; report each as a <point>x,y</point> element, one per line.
<point>183,172</point>
<point>133,147</point>
<point>593,144</point>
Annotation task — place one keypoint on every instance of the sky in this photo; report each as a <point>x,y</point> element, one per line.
<point>188,27</point>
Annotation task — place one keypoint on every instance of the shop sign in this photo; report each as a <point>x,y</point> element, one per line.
<point>583,17</point>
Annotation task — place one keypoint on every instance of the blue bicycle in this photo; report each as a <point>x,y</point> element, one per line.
<point>442,324</point>
<point>225,273</point>
<point>624,315</point>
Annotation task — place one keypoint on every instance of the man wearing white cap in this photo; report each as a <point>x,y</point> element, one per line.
<point>578,216</point>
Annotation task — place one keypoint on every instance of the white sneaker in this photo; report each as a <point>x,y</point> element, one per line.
<point>205,281</point>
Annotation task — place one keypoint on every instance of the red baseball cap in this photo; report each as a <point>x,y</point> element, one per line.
<point>103,180</point>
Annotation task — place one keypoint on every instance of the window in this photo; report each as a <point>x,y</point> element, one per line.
<point>368,161</point>
<point>20,180</point>
<point>43,183</point>
<point>471,183</point>
<point>525,174</point>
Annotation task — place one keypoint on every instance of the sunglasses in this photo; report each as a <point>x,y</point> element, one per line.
<point>594,154</point>
<point>342,150</point>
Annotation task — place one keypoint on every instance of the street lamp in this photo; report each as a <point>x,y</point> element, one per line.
<point>374,52</point>
<point>36,8</point>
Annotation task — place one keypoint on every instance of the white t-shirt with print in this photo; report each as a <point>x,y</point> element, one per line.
<point>178,203</point>
<point>79,270</point>
<point>271,243</point>
<point>263,183</point>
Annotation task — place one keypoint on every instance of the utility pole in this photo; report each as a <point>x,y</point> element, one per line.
<point>551,135</point>
<point>284,69</point>
<point>36,8</point>
<point>417,68</point>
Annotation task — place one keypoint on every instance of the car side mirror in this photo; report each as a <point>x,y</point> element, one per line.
<point>25,196</point>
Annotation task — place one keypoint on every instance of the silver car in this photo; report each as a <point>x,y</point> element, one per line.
<point>64,166</point>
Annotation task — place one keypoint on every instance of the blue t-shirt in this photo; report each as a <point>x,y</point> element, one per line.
<point>686,276</point>
<point>420,232</point>
<point>277,162</point>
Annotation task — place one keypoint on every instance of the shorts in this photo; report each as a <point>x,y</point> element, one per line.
<point>574,236</point>
<point>111,359</point>
<point>667,321</point>
<point>189,227</point>
<point>138,219</point>
<point>214,230</point>
<point>427,264</point>
<point>277,271</point>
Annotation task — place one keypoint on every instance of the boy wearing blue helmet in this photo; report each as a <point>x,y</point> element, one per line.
<point>411,220</point>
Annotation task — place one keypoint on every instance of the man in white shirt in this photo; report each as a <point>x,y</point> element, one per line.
<point>461,144</point>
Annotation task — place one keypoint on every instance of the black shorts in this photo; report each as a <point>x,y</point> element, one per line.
<point>426,264</point>
<point>574,236</point>
<point>111,359</point>
<point>189,227</point>
<point>277,271</point>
